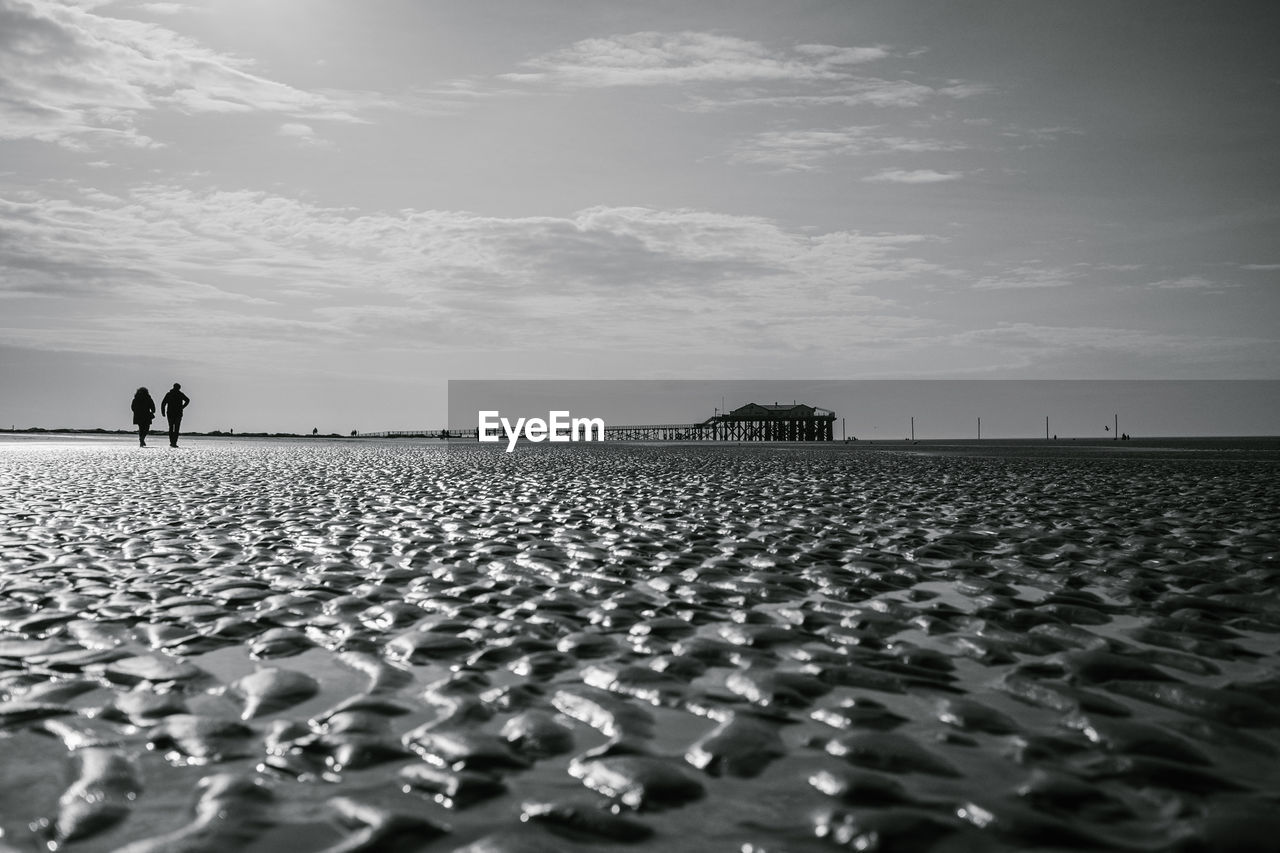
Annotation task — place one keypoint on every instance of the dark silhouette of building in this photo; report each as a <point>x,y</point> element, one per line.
<point>752,422</point>
<point>777,422</point>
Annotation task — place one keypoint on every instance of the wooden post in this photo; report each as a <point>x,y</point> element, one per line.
<point>979,429</point>
<point>913,428</point>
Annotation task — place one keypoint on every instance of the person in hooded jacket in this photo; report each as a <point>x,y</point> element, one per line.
<point>144,412</point>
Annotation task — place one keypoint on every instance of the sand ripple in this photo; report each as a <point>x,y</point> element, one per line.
<point>273,645</point>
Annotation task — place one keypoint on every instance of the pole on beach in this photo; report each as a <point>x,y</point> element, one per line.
<point>913,428</point>
<point>842,435</point>
<point>979,429</point>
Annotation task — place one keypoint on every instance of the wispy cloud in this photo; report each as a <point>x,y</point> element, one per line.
<point>72,75</point>
<point>653,58</point>
<point>808,150</point>
<point>855,91</point>
<point>913,176</point>
<point>1031,136</point>
<point>234,277</point>
<point>1141,351</point>
<point>1190,282</point>
<point>1028,276</point>
<point>303,134</point>
<point>717,72</point>
<point>440,274</point>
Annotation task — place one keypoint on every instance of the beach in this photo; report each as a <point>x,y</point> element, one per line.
<point>323,645</point>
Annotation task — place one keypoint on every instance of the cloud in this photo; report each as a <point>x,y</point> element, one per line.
<point>808,150</point>
<point>1190,282</point>
<point>965,89</point>
<point>652,58</point>
<point>78,78</point>
<point>1041,134</point>
<point>237,278</point>
<point>1141,351</point>
<point>718,72</point>
<point>1029,276</point>
<point>169,264</point>
<point>303,134</point>
<point>913,176</point>
<point>854,92</point>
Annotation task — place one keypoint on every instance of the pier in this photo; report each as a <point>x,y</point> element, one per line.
<point>420,433</point>
<point>752,422</point>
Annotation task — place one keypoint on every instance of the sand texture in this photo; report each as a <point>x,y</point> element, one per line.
<point>344,646</point>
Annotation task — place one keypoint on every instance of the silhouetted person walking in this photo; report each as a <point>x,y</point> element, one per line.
<point>144,412</point>
<point>171,407</point>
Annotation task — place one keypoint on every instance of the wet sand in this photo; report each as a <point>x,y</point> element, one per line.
<point>317,645</point>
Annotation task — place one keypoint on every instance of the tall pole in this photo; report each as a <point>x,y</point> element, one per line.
<point>979,429</point>
<point>842,435</point>
<point>913,427</point>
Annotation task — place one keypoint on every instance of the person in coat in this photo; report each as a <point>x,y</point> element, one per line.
<point>171,407</point>
<point>144,412</point>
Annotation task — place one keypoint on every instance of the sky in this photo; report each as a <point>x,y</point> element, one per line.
<point>314,213</point>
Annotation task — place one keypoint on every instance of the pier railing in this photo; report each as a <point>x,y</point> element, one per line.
<point>820,427</point>
<point>421,433</point>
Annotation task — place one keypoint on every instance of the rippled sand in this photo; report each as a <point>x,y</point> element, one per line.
<point>264,645</point>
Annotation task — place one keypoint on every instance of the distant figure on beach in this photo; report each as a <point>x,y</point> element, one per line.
<point>171,407</point>
<point>144,412</point>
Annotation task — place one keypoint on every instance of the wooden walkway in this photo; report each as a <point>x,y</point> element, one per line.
<point>422,433</point>
<point>728,428</point>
